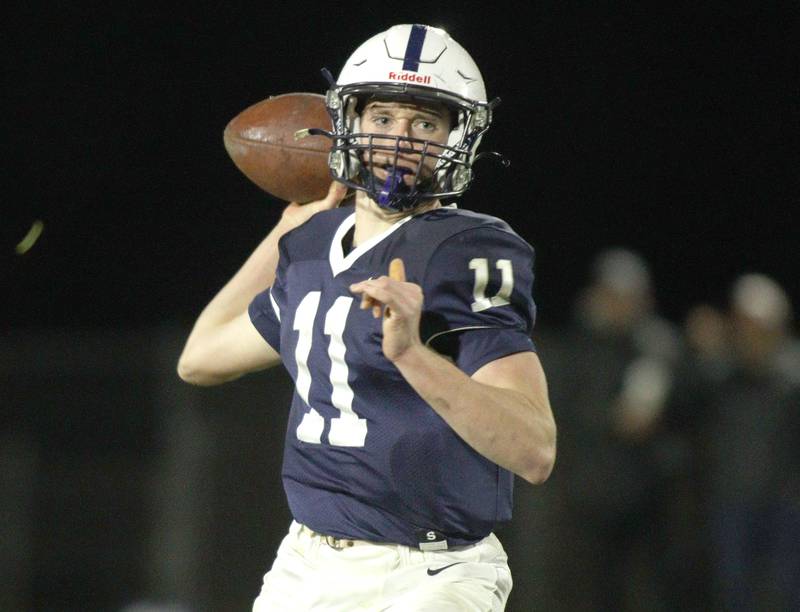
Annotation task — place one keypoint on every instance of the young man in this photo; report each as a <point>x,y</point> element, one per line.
<point>418,395</point>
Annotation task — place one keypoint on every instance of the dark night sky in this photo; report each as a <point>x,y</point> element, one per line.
<point>673,133</point>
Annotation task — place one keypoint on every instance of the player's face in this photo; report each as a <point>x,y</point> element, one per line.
<point>429,122</point>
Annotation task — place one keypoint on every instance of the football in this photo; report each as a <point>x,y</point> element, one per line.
<point>262,141</point>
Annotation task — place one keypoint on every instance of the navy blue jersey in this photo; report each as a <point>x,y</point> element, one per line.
<point>365,456</point>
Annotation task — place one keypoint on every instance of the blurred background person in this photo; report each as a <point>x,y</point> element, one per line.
<point>753,458</point>
<point>611,376</point>
<point>705,363</point>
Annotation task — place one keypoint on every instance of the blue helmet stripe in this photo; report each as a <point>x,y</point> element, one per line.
<point>414,47</point>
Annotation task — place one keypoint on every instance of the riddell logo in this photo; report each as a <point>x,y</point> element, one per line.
<point>410,77</point>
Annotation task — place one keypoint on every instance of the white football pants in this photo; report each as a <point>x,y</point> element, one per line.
<point>312,572</point>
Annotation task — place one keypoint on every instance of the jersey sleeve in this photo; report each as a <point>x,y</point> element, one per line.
<point>264,315</point>
<point>478,290</point>
<point>266,307</point>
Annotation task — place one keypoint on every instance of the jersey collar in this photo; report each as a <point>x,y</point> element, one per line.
<point>341,262</point>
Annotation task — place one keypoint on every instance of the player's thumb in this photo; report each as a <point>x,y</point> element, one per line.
<point>397,270</point>
<point>297,214</point>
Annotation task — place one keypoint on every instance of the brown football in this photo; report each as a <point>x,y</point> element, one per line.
<point>261,142</point>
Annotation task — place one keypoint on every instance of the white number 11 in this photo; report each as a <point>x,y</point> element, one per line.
<point>481,267</point>
<point>347,429</point>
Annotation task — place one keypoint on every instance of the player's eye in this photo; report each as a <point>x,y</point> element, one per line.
<point>381,120</point>
<point>427,126</point>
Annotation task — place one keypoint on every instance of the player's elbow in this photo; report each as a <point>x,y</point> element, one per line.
<point>540,468</point>
<point>189,373</point>
<point>541,461</point>
<point>541,471</point>
<point>193,371</point>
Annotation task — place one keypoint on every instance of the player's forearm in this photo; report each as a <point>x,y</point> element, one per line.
<point>501,424</point>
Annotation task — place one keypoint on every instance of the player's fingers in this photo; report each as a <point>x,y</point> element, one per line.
<point>336,193</point>
<point>397,270</point>
<point>385,291</point>
<point>374,291</point>
<point>297,214</point>
<point>366,301</point>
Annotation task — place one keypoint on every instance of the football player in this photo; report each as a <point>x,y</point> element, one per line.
<point>418,393</point>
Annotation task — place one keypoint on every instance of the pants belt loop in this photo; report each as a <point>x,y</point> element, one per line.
<point>337,543</point>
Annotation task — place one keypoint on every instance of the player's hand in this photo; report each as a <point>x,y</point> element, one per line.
<point>400,304</point>
<point>296,214</point>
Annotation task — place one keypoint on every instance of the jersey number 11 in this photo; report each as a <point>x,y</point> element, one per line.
<point>347,429</point>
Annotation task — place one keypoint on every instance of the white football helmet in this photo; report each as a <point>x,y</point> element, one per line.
<point>410,63</point>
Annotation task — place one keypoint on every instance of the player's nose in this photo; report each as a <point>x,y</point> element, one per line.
<point>401,127</point>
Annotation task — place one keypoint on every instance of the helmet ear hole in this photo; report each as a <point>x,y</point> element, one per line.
<point>461,178</point>
<point>336,162</point>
